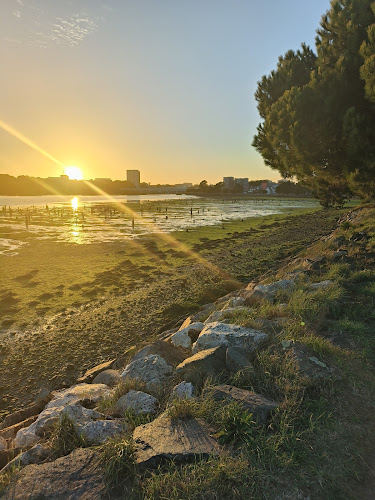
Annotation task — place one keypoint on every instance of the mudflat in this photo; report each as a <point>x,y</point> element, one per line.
<point>66,307</point>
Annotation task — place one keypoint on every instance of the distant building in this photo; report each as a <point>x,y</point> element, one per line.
<point>244,183</point>
<point>134,176</point>
<point>228,182</point>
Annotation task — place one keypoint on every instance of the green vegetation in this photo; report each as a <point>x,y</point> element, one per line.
<point>118,462</point>
<point>317,110</point>
<point>64,437</point>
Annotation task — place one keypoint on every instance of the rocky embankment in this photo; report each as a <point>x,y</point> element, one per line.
<point>145,397</point>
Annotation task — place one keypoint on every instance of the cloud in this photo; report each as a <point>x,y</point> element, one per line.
<point>17,13</point>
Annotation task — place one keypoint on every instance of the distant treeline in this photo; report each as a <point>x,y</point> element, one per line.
<point>23,185</point>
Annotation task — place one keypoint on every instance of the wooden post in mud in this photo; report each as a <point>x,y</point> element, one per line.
<point>133,223</point>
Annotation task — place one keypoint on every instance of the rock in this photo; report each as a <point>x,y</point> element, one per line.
<point>21,415</point>
<point>35,455</point>
<point>215,334</point>
<point>44,396</point>
<point>108,377</point>
<point>153,370</point>
<point>261,293</point>
<point>26,438</point>
<point>184,440</point>
<point>79,392</point>
<point>184,337</point>
<point>339,242</point>
<point>122,360</point>
<point>318,263</point>
<point>237,359</point>
<point>321,284</point>
<point>3,444</point>
<point>234,302</point>
<point>75,412</point>
<point>221,315</point>
<point>172,354</point>
<point>207,363</point>
<point>93,372</point>
<point>74,477</point>
<point>259,406</point>
<point>10,432</point>
<point>138,402</point>
<point>340,254</point>
<point>307,362</point>
<point>98,431</point>
<point>62,399</point>
<point>184,390</point>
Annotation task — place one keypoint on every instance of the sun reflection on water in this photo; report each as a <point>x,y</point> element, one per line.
<point>75,204</point>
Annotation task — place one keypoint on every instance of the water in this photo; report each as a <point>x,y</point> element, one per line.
<point>92,219</point>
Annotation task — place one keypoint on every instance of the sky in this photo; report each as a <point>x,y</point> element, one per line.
<point>162,86</point>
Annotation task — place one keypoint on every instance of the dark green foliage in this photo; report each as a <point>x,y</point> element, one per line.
<point>318,110</point>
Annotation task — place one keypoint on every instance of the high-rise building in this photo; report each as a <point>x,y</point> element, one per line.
<point>134,176</point>
<point>228,182</point>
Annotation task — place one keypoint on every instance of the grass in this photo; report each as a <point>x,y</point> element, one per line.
<point>64,437</point>
<point>118,462</point>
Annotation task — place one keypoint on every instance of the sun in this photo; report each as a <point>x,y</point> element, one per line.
<point>74,173</point>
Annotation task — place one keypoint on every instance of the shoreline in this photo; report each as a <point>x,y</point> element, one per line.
<point>113,298</point>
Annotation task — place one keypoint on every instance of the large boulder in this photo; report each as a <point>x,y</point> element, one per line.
<point>185,337</point>
<point>74,477</point>
<point>237,359</point>
<point>153,370</point>
<point>216,334</point>
<point>108,377</point>
<point>68,398</point>
<point>180,440</point>
<point>260,293</point>
<point>259,406</point>
<point>207,363</point>
<point>138,402</point>
<point>172,354</point>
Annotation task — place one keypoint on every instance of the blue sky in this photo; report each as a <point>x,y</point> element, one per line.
<point>166,87</point>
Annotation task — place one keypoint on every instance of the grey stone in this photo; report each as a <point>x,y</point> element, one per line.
<point>183,390</point>
<point>153,370</point>
<point>207,363</point>
<point>138,402</point>
<point>108,377</point>
<point>180,440</point>
<point>35,455</point>
<point>259,406</point>
<point>93,372</point>
<point>261,293</point>
<point>98,431</point>
<point>75,477</point>
<point>224,313</point>
<point>172,354</point>
<point>215,334</point>
<point>237,359</point>
<point>321,284</point>
<point>184,337</point>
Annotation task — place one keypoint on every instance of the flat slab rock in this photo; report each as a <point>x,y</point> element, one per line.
<point>259,406</point>
<point>216,334</point>
<point>181,440</point>
<point>76,476</point>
